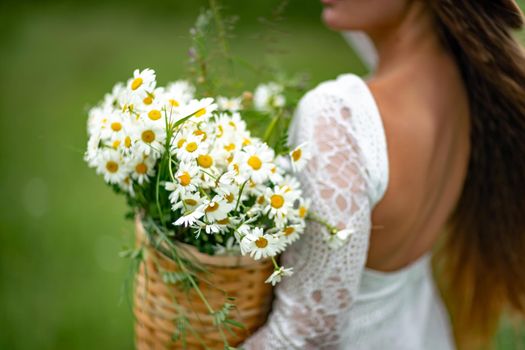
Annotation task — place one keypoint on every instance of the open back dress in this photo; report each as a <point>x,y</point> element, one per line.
<point>333,301</point>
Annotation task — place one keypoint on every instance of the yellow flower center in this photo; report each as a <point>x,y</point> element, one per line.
<point>261,242</point>
<point>260,200</point>
<point>174,103</point>
<point>255,162</point>
<point>302,212</point>
<point>190,201</point>
<point>246,142</point>
<point>116,126</point>
<point>116,143</point>
<point>229,197</point>
<point>213,206</point>
<point>154,114</point>
<point>185,179</point>
<point>224,221</point>
<point>127,142</point>
<point>277,201</point>
<point>205,160</point>
<point>148,136</point>
<point>230,159</point>
<point>180,143</point>
<point>296,154</point>
<point>141,168</point>
<point>288,231</point>
<point>200,132</point>
<point>148,100</point>
<point>221,131</point>
<point>232,124</point>
<point>230,147</point>
<point>200,112</point>
<point>135,84</point>
<point>112,166</point>
<point>236,168</point>
<point>191,147</point>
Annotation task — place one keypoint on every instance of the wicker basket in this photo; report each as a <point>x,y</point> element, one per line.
<point>155,312</point>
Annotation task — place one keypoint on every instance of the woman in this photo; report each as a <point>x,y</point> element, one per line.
<point>432,146</point>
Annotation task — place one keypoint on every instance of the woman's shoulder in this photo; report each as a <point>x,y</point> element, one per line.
<point>347,103</point>
<point>345,87</point>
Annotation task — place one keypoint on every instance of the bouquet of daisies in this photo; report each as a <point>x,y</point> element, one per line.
<point>192,164</point>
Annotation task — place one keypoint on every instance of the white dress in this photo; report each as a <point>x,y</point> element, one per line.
<point>332,301</point>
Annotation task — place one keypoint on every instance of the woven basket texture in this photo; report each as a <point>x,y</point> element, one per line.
<point>157,305</point>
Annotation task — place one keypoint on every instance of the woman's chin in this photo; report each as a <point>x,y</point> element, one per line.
<point>332,19</point>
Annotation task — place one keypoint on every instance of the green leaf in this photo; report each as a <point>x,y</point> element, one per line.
<point>235,323</point>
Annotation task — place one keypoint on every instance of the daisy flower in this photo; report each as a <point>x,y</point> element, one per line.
<point>116,97</point>
<point>268,97</point>
<point>154,113</point>
<point>142,168</point>
<point>217,208</point>
<point>189,218</point>
<point>150,139</point>
<point>97,119</point>
<point>211,228</point>
<point>292,232</point>
<point>190,147</point>
<point>259,245</point>
<point>186,181</point>
<point>112,166</point>
<point>93,151</point>
<point>338,239</point>
<point>229,104</point>
<point>179,93</point>
<point>242,231</point>
<point>142,82</point>
<point>188,202</point>
<point>226,224</point>
<point>301,209</point>
<point>256,162</point>
<point>279,204</point>
<point>278,274</point>
<point>127,185</point>
<point>113,128</point>
<point>300,156</point>
<point>199,109</point>
<point>152,98</point>
<point>229,192</point>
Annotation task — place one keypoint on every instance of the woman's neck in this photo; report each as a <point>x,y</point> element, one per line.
<point>402,44</point>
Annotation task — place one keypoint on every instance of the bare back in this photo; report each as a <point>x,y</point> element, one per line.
<point>426,120</point>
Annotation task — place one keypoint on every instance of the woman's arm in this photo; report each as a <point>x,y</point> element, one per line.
<point>311,308</point>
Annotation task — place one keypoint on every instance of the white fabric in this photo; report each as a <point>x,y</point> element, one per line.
<point>333,301</point>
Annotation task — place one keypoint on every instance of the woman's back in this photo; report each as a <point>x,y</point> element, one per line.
<point>427,131</point>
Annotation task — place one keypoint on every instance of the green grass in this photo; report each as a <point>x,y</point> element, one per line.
<point>61,227</point>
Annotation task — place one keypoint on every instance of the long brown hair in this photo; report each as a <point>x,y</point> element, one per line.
<point>481,264</point>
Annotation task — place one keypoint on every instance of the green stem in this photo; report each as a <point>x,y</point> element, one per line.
<point>240,195</point>
<point>275,265</point>
<point>269,130</point>
<point>157,196</point>
<point>312,217</point>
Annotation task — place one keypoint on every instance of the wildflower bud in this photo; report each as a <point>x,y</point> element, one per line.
<point>247,96</point>
<point>201,80</point>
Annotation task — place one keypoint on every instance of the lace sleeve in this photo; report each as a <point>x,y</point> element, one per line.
<point>311,307</point>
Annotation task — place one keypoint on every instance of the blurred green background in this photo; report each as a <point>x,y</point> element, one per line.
<point>61,227</point>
